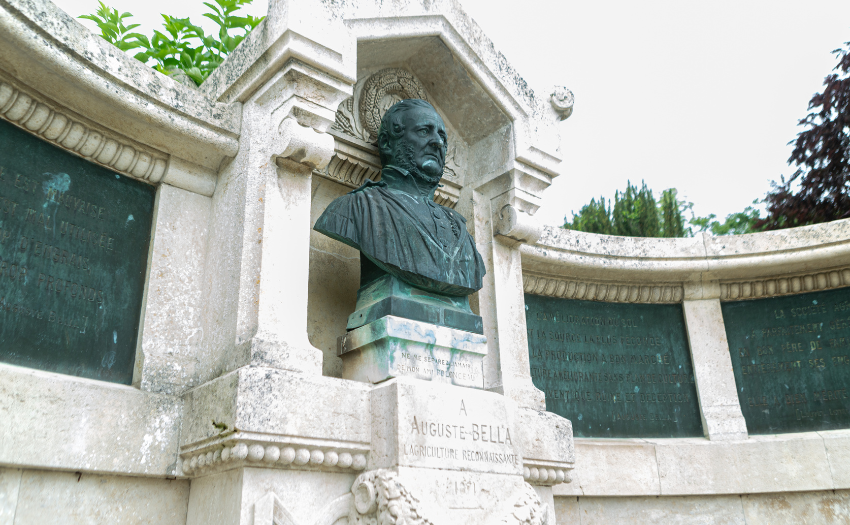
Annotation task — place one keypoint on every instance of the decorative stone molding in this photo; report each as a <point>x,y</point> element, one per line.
<point>380,498</point>
<point>529,509</point>
<point>757,289</point>
<point>608,292</point>
<point>238,451</point>
<point>562,100</point>
<point>305,145</point>
<point>66,130</point>
<point>349,171</point>
<point>545,473</point>
<point>517,225</point>
<point>269,510</point>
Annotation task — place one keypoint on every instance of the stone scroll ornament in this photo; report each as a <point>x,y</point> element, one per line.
<point>380,499</point>
<point>395,223</point>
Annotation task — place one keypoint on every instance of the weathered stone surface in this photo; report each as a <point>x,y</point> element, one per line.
<point>333,284</point>
<point>270,401</point>
<point>628,468</point>
<point>825,508</point>
<point>172,341</point>
<point>10,483</point>
<point>717,510</point>
<point>797,507</point>
<point>760,464</point>
<point>74,498</point>
<point>64,422</point>
<point>235,497</point>
<point>395,347</point>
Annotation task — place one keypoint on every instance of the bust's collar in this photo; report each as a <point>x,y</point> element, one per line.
<point>402,174</point>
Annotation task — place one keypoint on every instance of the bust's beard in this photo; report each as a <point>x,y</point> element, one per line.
<point>403,158</point>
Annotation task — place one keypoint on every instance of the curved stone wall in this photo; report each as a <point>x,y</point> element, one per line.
<point>699,273</point>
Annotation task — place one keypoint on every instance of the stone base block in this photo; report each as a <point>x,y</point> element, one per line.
<point>395,347</point>
<point>442,427</point>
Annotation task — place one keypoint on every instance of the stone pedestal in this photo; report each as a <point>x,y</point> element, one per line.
<point>395,347</point>
<point>442,454</point>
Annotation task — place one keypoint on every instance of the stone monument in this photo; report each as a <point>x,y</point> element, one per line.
<point>259,373</point>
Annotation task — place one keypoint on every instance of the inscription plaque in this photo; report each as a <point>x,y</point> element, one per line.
<point>74,242</point>
<point>791,357</point>
<point>614,370</point>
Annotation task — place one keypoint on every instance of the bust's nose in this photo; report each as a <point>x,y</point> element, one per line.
<point>435,140</point>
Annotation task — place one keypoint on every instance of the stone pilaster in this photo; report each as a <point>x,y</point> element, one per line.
<point>504,208</point>
<point>715,381</point>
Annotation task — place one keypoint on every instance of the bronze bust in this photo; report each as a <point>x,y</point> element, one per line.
<point>395,223</point>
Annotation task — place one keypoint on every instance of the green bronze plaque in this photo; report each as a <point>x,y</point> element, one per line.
<point>73,256</point>
<point>791,357</point>
<point>614,370</point>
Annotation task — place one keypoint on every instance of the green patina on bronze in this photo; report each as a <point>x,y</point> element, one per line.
<point>400,231</point>
<point>614,370</point>
<point>388,295</point>
<point>73,255</point>
<point>791,357</point>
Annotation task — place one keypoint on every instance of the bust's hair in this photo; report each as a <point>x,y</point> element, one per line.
<point>392,126</point>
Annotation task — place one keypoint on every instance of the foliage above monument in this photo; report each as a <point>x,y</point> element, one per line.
<point>183,49</point>
<point>819,191</point>
<point>632,213</point>
<point>635,213</point>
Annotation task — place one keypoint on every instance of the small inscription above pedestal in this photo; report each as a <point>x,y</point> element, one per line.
<point>791,357</point>
<point>614,370</point>
<point>394,347</point>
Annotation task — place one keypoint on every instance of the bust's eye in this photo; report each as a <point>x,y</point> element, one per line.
<point>423,132</point>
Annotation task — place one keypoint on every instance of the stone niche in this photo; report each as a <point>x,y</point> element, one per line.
<point>389,71</point>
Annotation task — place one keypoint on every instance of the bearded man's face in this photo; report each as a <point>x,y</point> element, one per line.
<point>422,148</point>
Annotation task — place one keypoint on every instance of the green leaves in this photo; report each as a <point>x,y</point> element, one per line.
<point>181,49</point>
<point>112,27</point>
<point>635,213</point>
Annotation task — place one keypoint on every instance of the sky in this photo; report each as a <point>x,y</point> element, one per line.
<point>699,96</point>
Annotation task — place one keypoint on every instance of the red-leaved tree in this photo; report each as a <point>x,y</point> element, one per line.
<point>822,156</point>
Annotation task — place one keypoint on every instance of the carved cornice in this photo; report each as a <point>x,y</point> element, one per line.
<point>246,449</point>
<point>777,286</point>
<point>349,171</point>
<point>601,291</point>
<point>63,128</point>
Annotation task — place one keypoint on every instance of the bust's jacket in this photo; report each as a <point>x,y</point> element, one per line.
<point>391,228</point>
